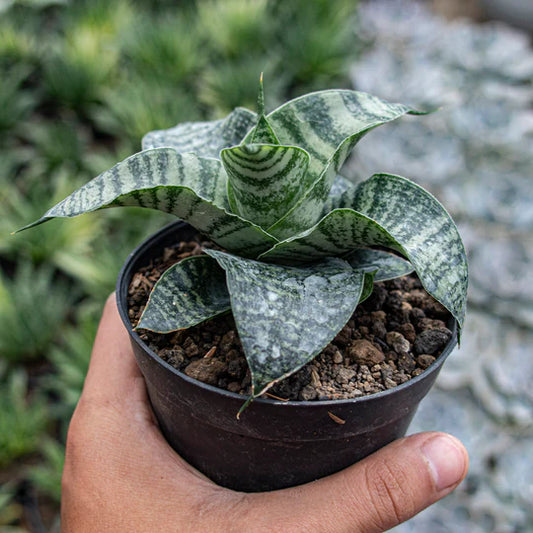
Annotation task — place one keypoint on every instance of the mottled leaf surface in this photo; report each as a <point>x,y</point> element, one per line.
<point>192,188</point>
<point>263,133</point>
<point>394,212</point>
<point>340,188</point>
<point>264,180</point>
<point>327,124</point>
<point>285,315</point>
<point>204,138</point>
<point>187,294</point>
<point>385,265</point>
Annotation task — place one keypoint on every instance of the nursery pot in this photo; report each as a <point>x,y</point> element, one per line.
<point>274,444</point>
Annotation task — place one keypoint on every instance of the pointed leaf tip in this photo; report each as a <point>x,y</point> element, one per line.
<point>188,293</point>
<point>190,187</point>
<point>261,97</point>
<point>285,315</point>
<point>395,213</point>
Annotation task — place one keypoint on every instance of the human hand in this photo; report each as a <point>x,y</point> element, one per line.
<point>121,475</point>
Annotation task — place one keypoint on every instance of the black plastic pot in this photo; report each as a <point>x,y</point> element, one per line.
<point>275,444</point>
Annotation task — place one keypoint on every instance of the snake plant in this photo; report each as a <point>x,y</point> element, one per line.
<point>302,245</point>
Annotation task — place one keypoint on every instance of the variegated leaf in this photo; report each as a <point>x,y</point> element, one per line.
<point>204,138</point>
<point>192,188</point>
<point>327,124</point>
<point>187,294</point>
<point>263,133</point>
<point>368,285</point>
<point>385,265</point>
<point>398,214</point>
<point>264,180</point>
<point>340,188</point>
<point>285,315</point>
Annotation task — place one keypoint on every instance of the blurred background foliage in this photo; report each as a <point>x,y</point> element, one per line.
<point>81,81</point>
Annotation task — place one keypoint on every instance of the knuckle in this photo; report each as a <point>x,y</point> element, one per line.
<point>390,493</point>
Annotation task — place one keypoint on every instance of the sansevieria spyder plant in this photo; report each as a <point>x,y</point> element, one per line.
<point>302,245</point>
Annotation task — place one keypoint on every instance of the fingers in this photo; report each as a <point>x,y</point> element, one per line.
<point>112,431</point>
<point>383,490</point>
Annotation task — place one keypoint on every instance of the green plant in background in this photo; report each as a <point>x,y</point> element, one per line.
<point>81,83</point>
<point>137,104</point>
<point>60,145</point>
<point>86,58</point>
<point>227,85</point>
<point>10,510</point>
<point>17,45</point>
<point>296,235</point>
<point>32,305</point>
<point>16,103</point>
<point>311,64</point>
<point>70,359</point>
<point>47,475</point>
<point>22,422</point>
<point>166,49</point>
<point>49,245</point>
<point>231,26</point>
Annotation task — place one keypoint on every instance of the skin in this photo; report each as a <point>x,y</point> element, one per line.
<point>121,475</point>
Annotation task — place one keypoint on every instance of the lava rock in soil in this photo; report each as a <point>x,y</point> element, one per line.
<point>392,337</point>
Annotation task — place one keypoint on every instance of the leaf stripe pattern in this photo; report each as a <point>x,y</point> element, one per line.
<point>205,139</point>
<point>385,265</point>
<point>338,233</point>
<point>190,187</point>
<point>398,214</point>
<point>284,315</point>
<point>188,293</point>
<point>427,233</point>
<point>264,181</point>
<point>328,124</point>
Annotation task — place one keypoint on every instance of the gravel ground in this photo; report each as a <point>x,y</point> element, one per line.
<point>475,155</point>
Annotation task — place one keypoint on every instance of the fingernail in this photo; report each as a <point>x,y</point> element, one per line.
<point>446,460</point>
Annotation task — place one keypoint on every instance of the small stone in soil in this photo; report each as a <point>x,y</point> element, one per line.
<point>364,352</point>
<point>432,340</point>
<point>398,342</point>
<point>393,336</point>
<point>425,360</point>
<point>207,370</point>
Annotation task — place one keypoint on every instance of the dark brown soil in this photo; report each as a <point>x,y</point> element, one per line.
<point>392,337</point>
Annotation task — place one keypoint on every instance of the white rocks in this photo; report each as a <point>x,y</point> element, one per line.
<point>475,155</point>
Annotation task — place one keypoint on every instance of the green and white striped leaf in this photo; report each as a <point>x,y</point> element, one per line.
<point>285,315</point>
<point>264,180</point>
<point>394,212</point>
<point>205,139</point>
<point>327,124</point>
<point>263,133</point>
<point>192,188</point>
<point>188,293</point>
<point>385,265</point>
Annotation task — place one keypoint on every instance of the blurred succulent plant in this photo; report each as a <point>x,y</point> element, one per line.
<point>29,329</point>
<point>300,241</point>
<point>22,421</point>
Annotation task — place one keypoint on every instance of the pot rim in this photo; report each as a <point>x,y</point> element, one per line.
<point>121,290</point>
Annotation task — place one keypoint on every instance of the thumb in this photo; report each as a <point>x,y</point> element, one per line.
<point>378,493</point>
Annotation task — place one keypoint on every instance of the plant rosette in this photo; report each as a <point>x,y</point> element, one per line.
<point>295,235</point>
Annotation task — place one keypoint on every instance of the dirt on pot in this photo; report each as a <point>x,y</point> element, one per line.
<point>392,337</point>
